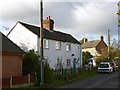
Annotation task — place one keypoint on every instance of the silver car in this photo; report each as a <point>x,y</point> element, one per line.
<point>105,67</point>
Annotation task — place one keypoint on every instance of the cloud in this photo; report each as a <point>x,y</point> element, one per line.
<point>96,17</point>
<point>77,18</point>
<point>16,10</point>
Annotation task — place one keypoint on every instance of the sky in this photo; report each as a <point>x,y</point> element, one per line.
<point>80,18</point>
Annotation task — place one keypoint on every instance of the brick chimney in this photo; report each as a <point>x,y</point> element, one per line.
<point>101,38</point>
<point>48,23</point>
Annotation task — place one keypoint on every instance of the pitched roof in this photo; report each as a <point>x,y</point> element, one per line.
<point>54,35</point>
<point>8,46</point>
<point>90,44</point>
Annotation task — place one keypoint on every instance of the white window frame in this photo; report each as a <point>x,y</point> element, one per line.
<point>46,59</point>
<point>68,47</point>
<point>45,43</point>
<point>58,45</point>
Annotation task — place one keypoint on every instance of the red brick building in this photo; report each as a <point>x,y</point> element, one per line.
<point>95,47</point>
<point>11,58</point>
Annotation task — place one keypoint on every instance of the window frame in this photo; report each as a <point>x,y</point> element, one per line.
<point>45,43</point>
<point>58,45</point>
<point>68,47</point>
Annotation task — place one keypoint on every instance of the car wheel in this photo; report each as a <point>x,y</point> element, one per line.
<point>110,71</point>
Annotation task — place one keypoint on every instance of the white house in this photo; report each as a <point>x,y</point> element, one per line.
<point>59,48</point>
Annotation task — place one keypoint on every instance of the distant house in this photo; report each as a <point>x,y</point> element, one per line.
<point>60,49</point>
<point>11,62</point>
<point>95,47</point>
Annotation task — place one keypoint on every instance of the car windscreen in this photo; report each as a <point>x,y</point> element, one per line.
<point>103,65</point>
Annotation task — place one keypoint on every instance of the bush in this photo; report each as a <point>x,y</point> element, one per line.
<point>30,62</point>
<point>48,75</point>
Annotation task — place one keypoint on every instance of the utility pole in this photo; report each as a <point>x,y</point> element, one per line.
<point>41,45</point>
<point>109,52</point>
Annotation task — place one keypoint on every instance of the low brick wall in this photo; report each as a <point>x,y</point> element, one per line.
<point>6,82</point>
<point>33,78</point>
<point>18,81</point>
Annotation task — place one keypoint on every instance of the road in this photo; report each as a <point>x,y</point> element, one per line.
<point>98,81</point>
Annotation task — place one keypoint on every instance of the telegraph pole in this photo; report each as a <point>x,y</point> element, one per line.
<point>109,53</point>
<point>41,44</point>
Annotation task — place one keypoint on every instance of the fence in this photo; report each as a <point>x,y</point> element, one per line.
<point>17,81</point>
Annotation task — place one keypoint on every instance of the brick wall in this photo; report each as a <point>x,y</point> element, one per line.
<point>11,65</point>
<point>101,47</point>
<point>19,81</point>
<point>48,23</point>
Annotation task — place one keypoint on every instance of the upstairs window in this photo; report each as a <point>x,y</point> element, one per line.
<point>68,47</point>
<point>58,45</point>
<point>45,43</point>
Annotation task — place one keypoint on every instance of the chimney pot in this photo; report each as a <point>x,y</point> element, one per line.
<point>102,38</point>
<point>49,17</point>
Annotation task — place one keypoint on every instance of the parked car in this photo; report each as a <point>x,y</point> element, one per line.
<point>115,67</point>
<point>105,67</point>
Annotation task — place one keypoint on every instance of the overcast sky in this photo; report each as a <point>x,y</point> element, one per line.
<point>80,18</point>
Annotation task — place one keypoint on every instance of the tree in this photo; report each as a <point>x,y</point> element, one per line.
<point>86,56</point>
<point>31,62</point>
<point>115,54</point>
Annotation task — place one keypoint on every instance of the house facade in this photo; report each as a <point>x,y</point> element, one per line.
<point>95,47</point>
<point>11,58</point>
<point>60,49</point>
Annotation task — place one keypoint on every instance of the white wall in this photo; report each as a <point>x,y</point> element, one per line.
<point>20,34</point>
<point>53,54</point>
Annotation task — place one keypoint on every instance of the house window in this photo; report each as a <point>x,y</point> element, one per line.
<point>46,60</point>
<point>68,62</point>
<point>58,45</point>
<point>68,47</point>
<point>45,43</point>
<point>59,62</point>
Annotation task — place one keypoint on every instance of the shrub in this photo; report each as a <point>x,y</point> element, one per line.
<point>30,62</point>
<point>48,75</point>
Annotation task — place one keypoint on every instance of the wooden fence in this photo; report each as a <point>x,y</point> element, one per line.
<point>17,81</point>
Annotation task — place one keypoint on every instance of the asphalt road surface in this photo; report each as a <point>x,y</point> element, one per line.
<point>99,81</point>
